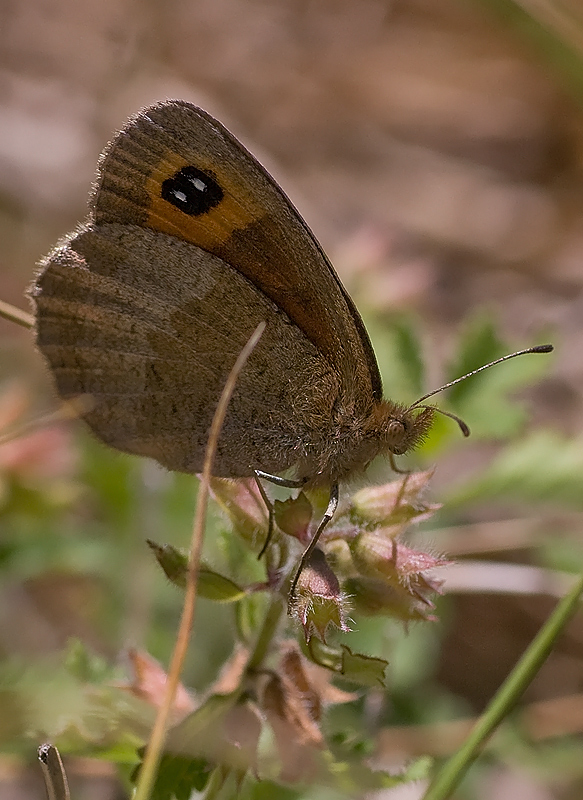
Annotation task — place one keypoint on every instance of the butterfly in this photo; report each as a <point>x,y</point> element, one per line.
<point>188,245</point>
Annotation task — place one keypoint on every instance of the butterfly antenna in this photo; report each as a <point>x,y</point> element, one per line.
<point>541,348</point>
<point>463,426</point>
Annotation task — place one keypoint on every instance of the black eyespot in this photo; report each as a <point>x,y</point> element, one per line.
<point>192,191</point>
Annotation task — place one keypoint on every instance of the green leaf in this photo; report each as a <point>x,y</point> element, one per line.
<point>408,348</point>
<point>195,726</point>
<point>482,400</point>
<point>249,616</point>
<point>322,654</point>
<point>418,770</point>
<point>211,584</point>
<point>293,516</point>
<point>399,357</point>
<point>267,790</point>
<point>355,667</point>
<point>178,777</point>
<point>478,345</point>
<point>225,730</point>
<point>216,587</point>
<point>366,670</point>
<point>83,665</point>
<point>173,562</point>
<point>544,467</point>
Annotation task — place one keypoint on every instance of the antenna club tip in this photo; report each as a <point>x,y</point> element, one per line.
<point>543,348</point>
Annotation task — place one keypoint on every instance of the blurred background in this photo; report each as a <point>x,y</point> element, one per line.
<point>436,150</point>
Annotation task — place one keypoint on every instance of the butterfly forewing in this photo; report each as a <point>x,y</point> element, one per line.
<point>252,226</point>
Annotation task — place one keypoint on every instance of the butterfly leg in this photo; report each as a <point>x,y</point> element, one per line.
<point>275,479</point>
<point>395,468</point>
<point>328,514</point>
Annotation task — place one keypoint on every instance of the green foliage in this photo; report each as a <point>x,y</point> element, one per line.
<point>485,398</point>
<point>211,585</point>
<point>297,742</point>
<point>353,667</point>
<point>365,670</point>
<point>84,665</point>
<point>478,345</point>
<point>543,467</point>
<point>487,401</point>
<point>179,777</point>
<point>399,354</point>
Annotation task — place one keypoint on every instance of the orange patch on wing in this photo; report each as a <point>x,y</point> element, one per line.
<point>209,230</point>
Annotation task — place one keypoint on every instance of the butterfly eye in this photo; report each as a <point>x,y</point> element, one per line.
<point>396,432</point>
<point>192,191</point>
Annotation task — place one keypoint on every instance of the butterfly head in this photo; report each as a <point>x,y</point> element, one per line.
<point>402,428</point>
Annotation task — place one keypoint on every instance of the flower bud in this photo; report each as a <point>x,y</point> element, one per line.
<point>318,601</point>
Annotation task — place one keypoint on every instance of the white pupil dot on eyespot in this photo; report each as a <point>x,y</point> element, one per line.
<point>198,184</point>
<point>180,196</point>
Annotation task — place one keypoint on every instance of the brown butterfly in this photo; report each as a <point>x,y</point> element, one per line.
<point>188,245</point>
